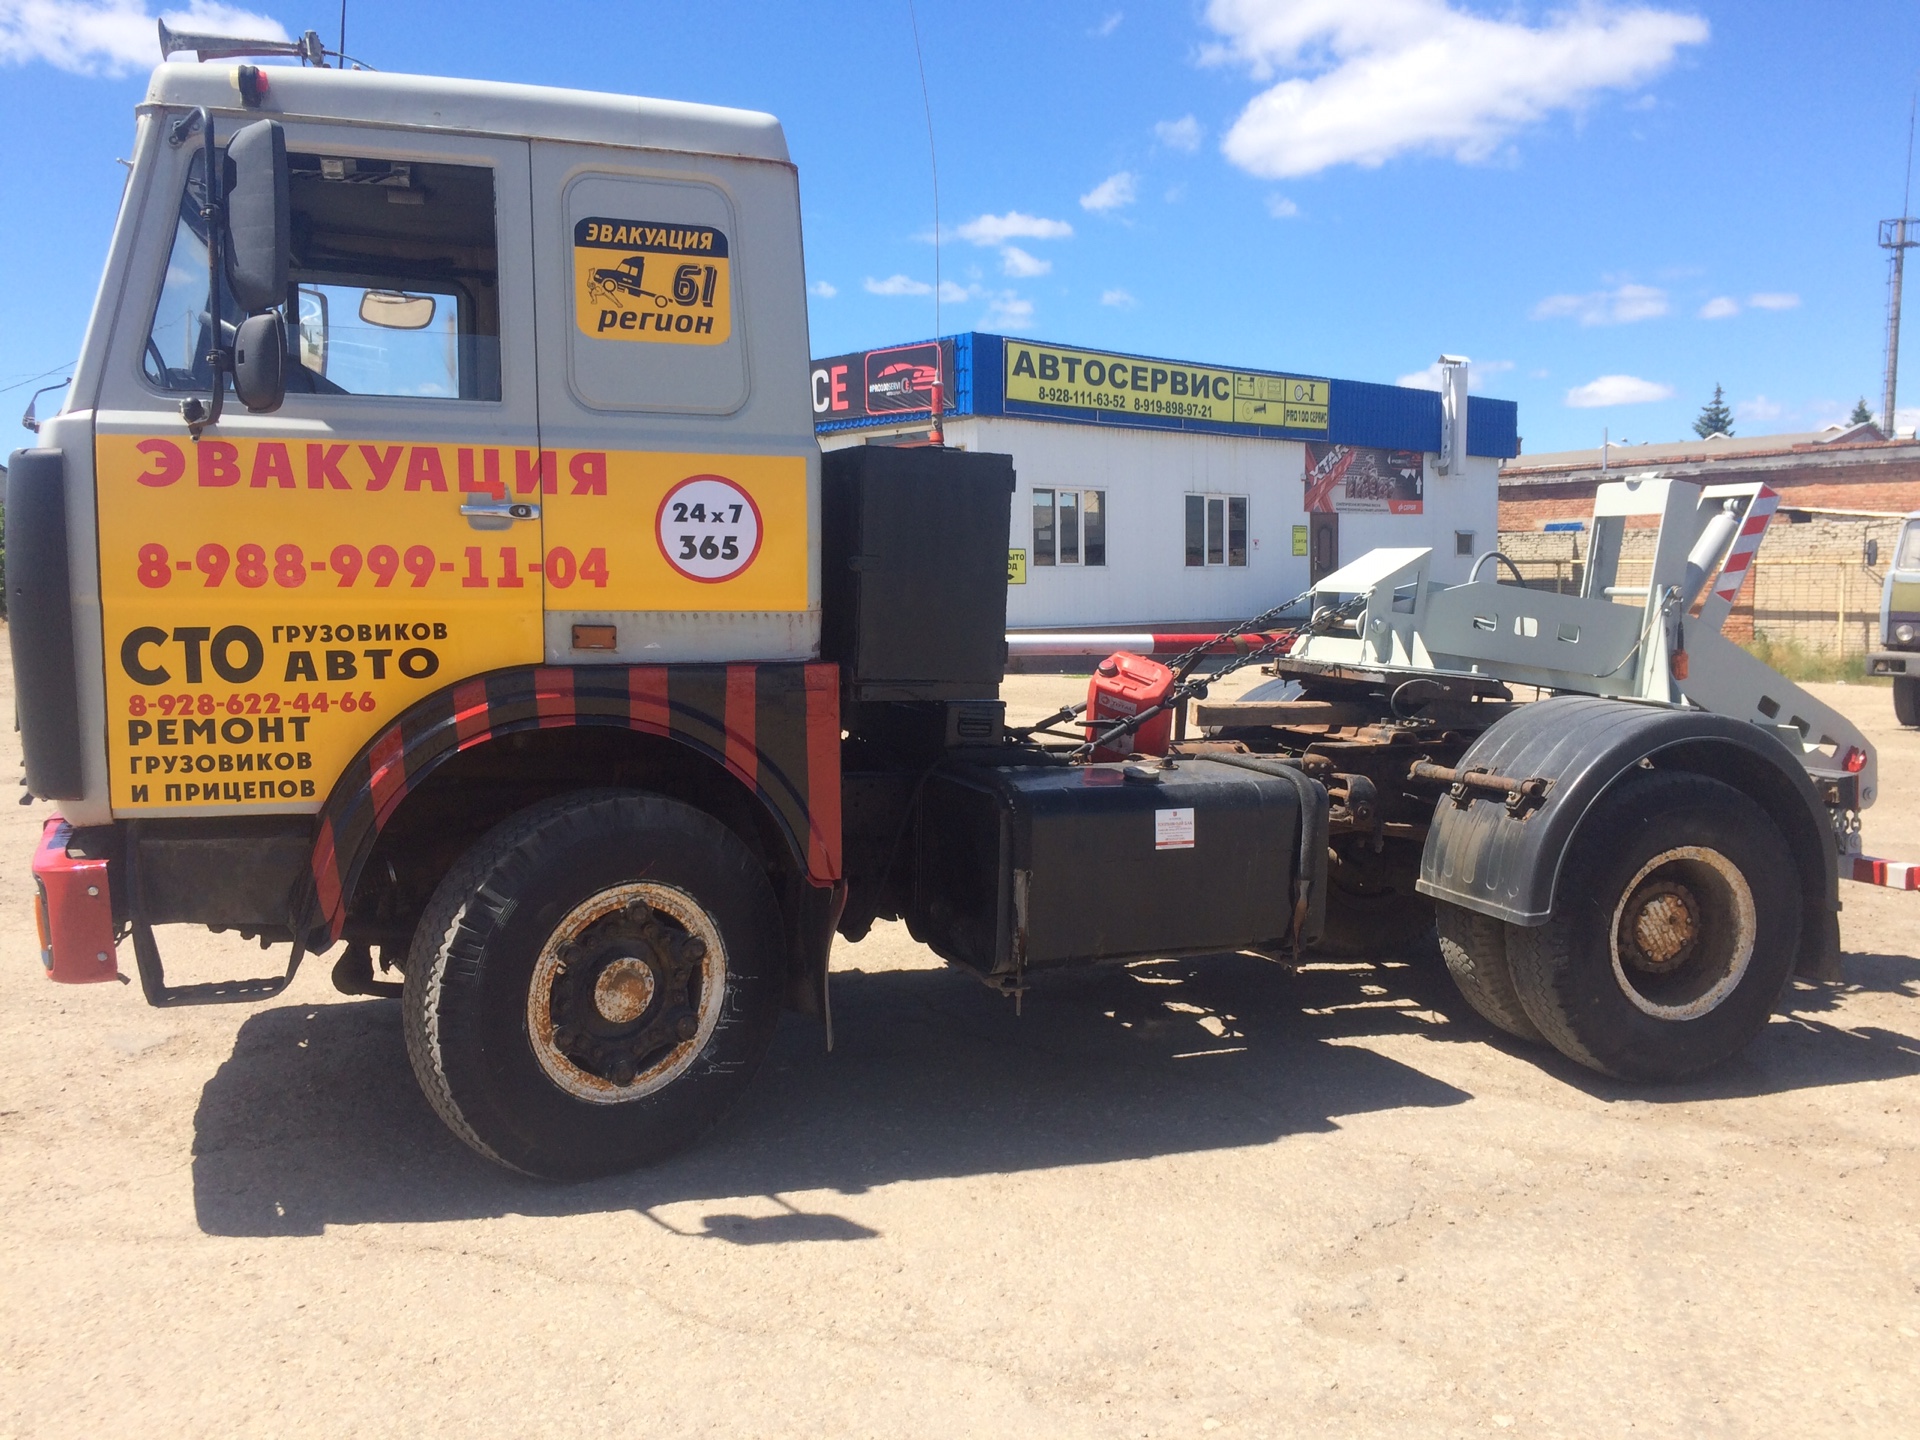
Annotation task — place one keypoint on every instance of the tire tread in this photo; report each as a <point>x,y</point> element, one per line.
<point>1475,949</point>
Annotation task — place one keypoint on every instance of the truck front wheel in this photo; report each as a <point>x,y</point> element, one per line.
<point>1906,699</point>
<point>1673,931</point>
<point>593,984</point>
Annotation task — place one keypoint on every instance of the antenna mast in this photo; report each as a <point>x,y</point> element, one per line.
<point>936,435</point>
<point>1898,236</point>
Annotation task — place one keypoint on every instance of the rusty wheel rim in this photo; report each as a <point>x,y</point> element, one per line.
<point>626,992</point>
<point>1683,933</point>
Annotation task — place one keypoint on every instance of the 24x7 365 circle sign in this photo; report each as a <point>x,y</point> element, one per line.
<point>709,528</point>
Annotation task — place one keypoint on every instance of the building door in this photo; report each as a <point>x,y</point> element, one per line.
<point>1323,545</point>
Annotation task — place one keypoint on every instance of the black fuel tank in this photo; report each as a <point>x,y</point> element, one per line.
<point>1029,867</point>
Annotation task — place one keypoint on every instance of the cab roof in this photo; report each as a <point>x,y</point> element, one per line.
<point>482,107</point>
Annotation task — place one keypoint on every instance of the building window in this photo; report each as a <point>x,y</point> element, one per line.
<point>1069,527</point>
<point>1216,530</point>
<point>1463,542</point>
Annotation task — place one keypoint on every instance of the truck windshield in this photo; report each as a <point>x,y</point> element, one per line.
<point>394,283</point>
<point>1908,556</point>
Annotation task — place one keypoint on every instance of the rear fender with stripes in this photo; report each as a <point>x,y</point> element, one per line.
<point>775,728</point>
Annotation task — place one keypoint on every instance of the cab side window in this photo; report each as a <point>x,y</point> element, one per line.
<point>394,285</point>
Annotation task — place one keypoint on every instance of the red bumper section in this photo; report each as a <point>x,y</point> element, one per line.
<point>73,910</point>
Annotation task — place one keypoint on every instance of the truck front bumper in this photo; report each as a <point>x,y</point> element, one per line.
<point>1893,662</point>
<point>73,910</point>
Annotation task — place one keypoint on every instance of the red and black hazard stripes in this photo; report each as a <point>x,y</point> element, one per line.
<point>776,729</point>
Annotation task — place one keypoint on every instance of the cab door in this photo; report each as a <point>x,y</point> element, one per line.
<point>277,591</point>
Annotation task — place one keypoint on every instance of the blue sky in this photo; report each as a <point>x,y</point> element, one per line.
<point>1610,208</point>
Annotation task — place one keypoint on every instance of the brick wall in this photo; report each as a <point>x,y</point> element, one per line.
<point>1828,483</point>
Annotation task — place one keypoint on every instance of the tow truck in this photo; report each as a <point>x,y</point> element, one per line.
<point>541,656</point>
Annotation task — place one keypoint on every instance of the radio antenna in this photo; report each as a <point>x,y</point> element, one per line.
<point>933,161</point>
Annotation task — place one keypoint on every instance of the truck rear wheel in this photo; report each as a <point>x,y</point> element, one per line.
<point>1906,699</point>
<point>1475,949</point>
<point>1673,932</point>
<point>593,984</point>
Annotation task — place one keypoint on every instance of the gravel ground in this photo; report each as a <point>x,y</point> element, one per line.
<point>1176,1199</point>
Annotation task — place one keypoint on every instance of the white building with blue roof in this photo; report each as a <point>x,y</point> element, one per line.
<point>1155,492</point>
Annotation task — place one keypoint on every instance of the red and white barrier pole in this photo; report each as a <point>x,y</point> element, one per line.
<point>1139,642</point>
<point>1892,874</point>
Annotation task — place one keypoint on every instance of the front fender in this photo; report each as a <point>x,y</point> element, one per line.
<point>1482,858</point>
<point>774,727</point>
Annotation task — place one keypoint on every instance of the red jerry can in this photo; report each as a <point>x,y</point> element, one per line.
<point>1122,686</point>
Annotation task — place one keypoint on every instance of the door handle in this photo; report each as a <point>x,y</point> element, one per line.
<point>498,514</point>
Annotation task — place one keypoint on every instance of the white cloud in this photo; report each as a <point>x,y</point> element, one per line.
<point>1110,194</point>
<point>111,37</point>
<point>952,294</point>
<point>1429,378</point>
<point>1281,208</point>
<point>1368,81</point>
<point>1109,24</point>
<point>998,229</point>
<point>898,285</point>
<point>825,289</point>
<point>1774,300</point>
<point>1119,299</point>
<point>1007,311</point>
<point>1621,305</point>
<point>1719,308</point>
<point>1181,134</point>
<point>1617,390</point>
<point>1759,408</point>
<point>1018,262</point>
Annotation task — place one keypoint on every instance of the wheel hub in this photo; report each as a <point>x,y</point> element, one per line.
<point>624,990</point>
<point>1661,927</point>
<point>624,993</point>
<point>1683,933</point>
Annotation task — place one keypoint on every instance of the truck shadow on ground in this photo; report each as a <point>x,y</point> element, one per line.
<point>315,1120</point>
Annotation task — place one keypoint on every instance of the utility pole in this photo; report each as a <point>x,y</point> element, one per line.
<point>1898,236</point>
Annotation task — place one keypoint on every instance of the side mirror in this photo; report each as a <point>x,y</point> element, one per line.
<point>259,215</point>
<point>314,338</point>
<point>260,362</point>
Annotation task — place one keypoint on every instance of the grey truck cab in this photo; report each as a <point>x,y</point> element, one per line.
<point>1899,651</point>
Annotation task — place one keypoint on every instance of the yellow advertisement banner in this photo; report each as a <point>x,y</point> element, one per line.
<point>269,605</point>
<point>651,281</point>
<point>1095,382</point>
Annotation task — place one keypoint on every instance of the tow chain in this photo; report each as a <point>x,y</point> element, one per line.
<point>1184,663</point>
<point>1186,688</point>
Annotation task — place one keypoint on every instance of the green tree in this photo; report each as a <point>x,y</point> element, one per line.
<point>1715,418</point>
<point>1861,414</point>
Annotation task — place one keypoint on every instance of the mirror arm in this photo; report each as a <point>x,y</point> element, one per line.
<point>197,414</point>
